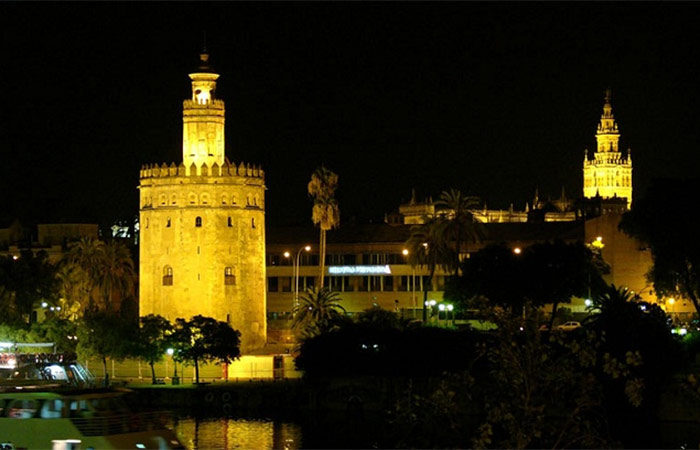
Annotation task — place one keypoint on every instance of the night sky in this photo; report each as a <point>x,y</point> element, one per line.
<point>494,99</point>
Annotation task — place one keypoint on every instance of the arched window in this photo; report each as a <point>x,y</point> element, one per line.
<point>230,222</point>
<point>167,276</point>
<point>163,200</point>
<point>229,276</point>
<point>224,199</point>
<point>192,198</point>
<point>205,199</point>
<point>198,222</point>
<point>173,199</point>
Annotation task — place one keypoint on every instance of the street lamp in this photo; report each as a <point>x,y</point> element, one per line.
<point>450,307</point>
<point>171,352</point>
<point>295,271</point>
<point>413,284</point>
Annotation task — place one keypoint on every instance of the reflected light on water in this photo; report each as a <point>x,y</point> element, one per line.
<point>225,433</point>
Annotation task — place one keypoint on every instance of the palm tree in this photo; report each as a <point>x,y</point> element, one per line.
<point>325,212</point>
<point>106,269</point>
<point>428,247</point>
<point>317,308</point>
<point>117,274</point>
<point>460,221</point>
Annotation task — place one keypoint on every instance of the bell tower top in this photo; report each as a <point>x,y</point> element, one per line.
<point>607,135</point>
<point>203,119</point>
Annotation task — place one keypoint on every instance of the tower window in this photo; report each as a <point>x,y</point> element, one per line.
<point>167,224</point>
<point>167,276</point>
<point>198,222</point>
<point>230,222</point>
<point>229,276</point>
<point>252,223</point>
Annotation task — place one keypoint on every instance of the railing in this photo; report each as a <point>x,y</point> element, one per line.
<point>120,423</point>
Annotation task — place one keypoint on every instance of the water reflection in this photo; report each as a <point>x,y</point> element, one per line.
<point>228,433</point>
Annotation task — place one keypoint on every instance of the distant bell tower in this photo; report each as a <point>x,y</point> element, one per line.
<point>609,173</point>
<point>202,226</point>
<point>203,119</point>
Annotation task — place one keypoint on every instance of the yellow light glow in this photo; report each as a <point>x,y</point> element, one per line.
<point>307,248</point>
<point>286,254</point>
<point>517,250</point>
<point>671,301</point>
<point>599,239</point>
<point>405,252</point>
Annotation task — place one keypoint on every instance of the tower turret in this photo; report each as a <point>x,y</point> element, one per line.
<point>609,173</point>
<point>203,119</point>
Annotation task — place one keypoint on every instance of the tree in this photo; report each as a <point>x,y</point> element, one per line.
<point>103,334</point>
<point>203,339</point>
<point>460,221</point>
<point>153,340</point>
<point>428,247</point>
<point>673,240</point>
<point>632,326</point>
<point>494,272</point>
<point>325,212</point>
<point>25,282</point>
<point>116,274</point>
<point>558,271</point>
<point>317,310</point>
<point>105,270</point>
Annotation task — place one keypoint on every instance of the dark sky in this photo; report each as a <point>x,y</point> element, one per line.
<point>495,99</point>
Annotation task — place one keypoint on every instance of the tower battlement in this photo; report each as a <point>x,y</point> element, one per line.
<point>227,169</point>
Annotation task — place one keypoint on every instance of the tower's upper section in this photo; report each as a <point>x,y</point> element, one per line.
<point>609,173</point>
<point>607,135</point>
<point>203,119</point>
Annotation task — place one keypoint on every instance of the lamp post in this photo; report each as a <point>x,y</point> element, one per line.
<point>295,271</point>
<point>441,307</point>
<point>413,285</point>
<point>450,307</point>
<point>176,379</point>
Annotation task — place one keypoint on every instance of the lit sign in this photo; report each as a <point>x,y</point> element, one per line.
<point>359,270</point>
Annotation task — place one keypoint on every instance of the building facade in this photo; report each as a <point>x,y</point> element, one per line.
<point>202,226</point>
<point>609,173</point>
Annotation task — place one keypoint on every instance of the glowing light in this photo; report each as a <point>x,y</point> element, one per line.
<point>15,257</point>
<point>599,239</point>
<point>425,244</point>
<point>441,307</point>
<point>170,351</point>
<point>588,302</point>
<point>353,270</point>
<point>432,302</point>
<point>682,331</point>
<point>307,248</point>
<point>450,307</point>
<point>286,254</point>
<point>405,252</point>
<point>44,304</point>
<point>671,301</point>
<point>517,250</point>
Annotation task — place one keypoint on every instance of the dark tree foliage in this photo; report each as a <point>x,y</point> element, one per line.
<point>62,332</point>
<point>374,344</point>
<point>152,341</point>
<point>494,272</point>
<point>672,237</point>
<point>557,271</point>
<point>103,334</point>
<point>549,272</point>
<point>628,325</point>
<point>203,339</point>
<point>24,283</point>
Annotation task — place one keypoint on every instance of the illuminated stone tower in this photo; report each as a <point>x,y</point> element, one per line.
<point>202,226</point>
<point>608,174</point>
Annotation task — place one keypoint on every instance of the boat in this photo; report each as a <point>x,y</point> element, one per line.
<point>48,400</point>
<point>37,417</point>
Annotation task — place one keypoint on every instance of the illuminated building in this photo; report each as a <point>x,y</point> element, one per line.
<point>202,226</point>
<point>52,238</point>
<point>609,173</point>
